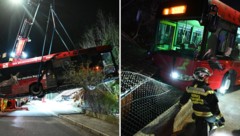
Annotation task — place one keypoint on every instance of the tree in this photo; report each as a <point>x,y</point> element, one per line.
<point>100,96</point>
<point>138,22</point>
<point>105,32</point>
<point>97,94</point>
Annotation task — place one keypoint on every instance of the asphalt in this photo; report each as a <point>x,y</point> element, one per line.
<point>228,104</point>
<point>75,116</point>
<point>94,125</point>
<point>69,113</point>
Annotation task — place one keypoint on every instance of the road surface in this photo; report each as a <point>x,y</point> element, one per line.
<point>40,120</point>
<point>38,126</point>
<point>230,107</point>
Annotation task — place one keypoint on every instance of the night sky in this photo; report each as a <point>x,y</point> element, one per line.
<point>233,3</point>
<point>77,16</point>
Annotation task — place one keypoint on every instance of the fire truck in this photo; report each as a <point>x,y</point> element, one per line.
<point>183,42</point>
<point>36,76</point>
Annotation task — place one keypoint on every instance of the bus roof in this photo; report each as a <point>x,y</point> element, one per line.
<point>92,50</point>
<point>227,13</point>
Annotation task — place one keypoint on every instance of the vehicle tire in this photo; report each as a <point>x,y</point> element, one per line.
<point>227,83</point>
<point>36,89</point>
<point>41,95</point>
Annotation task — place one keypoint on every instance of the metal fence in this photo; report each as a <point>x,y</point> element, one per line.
<point>142,100</point>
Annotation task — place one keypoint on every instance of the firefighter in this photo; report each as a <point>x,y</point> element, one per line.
<point>204,99</point>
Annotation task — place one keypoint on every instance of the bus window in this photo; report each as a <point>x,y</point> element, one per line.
<point>165,35</point>
<point>238,38</point>
<point>184,32</point>
<point>237,45</point>
<point>222,42</point>
<point>189,35</point>
<point>108,63</point>
<point>197,36</point>
<point>95,60</point>
<point>226,43</point>
<point>182,35</point>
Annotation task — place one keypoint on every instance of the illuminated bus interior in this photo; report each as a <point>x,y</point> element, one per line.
<point>178,35</point>
<point>186,36</point>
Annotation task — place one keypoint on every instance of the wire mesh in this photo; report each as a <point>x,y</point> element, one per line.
<point>142,100</point>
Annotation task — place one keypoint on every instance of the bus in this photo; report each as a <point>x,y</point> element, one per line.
<point>39,75</point>
<point>197,33</point>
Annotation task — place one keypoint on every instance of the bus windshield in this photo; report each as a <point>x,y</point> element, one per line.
<point>185,35</point>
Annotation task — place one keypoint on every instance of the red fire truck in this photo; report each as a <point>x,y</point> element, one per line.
<point>183,42</point>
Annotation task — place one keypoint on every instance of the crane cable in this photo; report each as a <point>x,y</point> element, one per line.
<point>44,44</point>
<point>63,28</point>
<point>53,31</point>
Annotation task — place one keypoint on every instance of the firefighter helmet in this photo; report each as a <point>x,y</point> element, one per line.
<point>201,73</point>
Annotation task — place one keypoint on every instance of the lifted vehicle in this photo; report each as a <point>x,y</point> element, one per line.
<point>37,76</point>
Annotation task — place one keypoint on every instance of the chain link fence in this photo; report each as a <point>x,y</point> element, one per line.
<point>142,100</point>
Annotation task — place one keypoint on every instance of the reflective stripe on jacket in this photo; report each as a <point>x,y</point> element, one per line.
<point>205,102</point>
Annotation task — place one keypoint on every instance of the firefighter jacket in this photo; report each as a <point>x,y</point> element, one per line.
<point>204,99</point>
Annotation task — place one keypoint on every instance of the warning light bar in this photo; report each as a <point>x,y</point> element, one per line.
<point>175,10</point>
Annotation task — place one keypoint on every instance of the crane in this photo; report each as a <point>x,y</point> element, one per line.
<point>25,29</point>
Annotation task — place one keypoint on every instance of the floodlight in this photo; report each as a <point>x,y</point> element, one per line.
<point>12,54</point>
<point>16,2</point>
<point>24,55</point>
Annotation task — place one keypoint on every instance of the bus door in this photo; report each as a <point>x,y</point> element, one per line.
<point>49,75</point>
<point>57,70</point>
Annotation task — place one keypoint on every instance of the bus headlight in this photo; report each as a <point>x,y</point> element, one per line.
<point>222,90</point>
<point>183,77</point>
<point>174,75</point>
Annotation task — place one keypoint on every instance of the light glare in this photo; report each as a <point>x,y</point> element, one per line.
<point>16,2</point>
<point>222,90</point>
<point>174,75</point>
<point>24,55</point>
<point>12,54</point>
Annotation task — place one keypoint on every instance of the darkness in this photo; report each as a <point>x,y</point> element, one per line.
<point>233,3</point>
<point>76,16</point>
